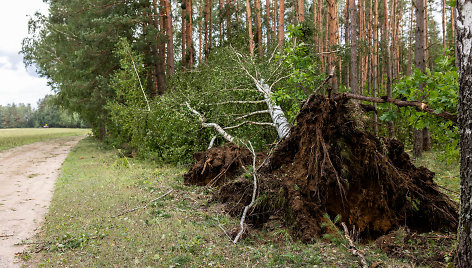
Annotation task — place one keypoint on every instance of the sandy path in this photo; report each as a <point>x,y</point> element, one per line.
<point>27,177</point>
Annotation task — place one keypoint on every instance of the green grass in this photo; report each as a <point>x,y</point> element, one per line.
<point>184,228</point>
<point>447,175</point>
<point>13,137</point>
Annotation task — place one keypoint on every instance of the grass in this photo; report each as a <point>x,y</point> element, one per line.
<point>184,228</point>
<point>447,175</point>
<point>13,137</point>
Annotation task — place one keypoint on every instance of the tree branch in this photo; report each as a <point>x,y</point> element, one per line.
<point>217,127</point>
<point>251,123</point>
<point>309,99</point>
<point>253,113</point>
<point>420,106</point>
<point>353,247</point>
<point>238,102</point>
<point>254,193</point>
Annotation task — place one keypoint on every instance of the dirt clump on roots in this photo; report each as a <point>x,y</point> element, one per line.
<point>330,165</point>
<point>215,165</point>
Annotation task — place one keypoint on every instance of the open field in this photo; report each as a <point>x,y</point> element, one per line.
<point>90,224</point>
<point>13,137</point>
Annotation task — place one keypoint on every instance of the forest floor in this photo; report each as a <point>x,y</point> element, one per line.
<point>27,177</point>
<point>102,215</point>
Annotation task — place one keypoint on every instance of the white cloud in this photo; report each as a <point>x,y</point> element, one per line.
<point>18,86</point>
<point>14,21</point>
<point>16,83</point>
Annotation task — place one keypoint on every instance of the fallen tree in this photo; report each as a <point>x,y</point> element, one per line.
<point>328,165</point>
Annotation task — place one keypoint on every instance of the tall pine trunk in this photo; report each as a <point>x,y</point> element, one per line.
<point>353,75</point>
<point>388,62</point>
<point>184,35</point>
<point>375,63</point>
<point>301,11</point>
<point>259,27</point>
<point>249,27</point>
<point>170,39</point>
<point>410,42</point>
<point>228,19</point>
<point>189,33</point>
<point>421,65</point>
<point>332,39</point>
<point>281,34</point>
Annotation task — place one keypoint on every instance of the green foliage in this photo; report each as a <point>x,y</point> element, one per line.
<point>301,67</point>
<point>441,93</point>
<point>333,233</point>
<point>73,47</point>
<point>169,131</point>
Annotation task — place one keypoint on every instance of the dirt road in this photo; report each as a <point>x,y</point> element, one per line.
<point>27,178</point>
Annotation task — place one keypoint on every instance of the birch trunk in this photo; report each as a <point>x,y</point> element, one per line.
<point>463,256</point>
<point>276,113</point>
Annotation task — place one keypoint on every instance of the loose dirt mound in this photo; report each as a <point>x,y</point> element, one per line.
<point>330,165</point>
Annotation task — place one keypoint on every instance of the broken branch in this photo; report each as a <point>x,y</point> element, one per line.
<point>253,113</point>
<point>251,123</point>
<point>353,247</point>
<point>239,102</point>
<point>420,106</point>
<point>254,193</point>
<point>217,127</point>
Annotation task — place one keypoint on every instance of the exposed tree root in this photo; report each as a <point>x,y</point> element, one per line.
<point>329,165</point>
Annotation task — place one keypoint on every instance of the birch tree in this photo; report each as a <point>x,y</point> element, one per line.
<point>463,257</point>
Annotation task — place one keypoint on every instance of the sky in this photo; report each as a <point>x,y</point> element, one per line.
<point>17,84</point>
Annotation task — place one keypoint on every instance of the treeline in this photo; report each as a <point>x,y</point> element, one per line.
<point>24,116</point>
<point>127,66</point>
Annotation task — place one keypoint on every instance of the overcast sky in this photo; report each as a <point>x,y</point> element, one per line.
<point>17,84</point>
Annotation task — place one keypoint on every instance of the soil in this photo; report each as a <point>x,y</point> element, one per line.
<point>27,177</point>
<point>331,165</point>
<point>213,166</point>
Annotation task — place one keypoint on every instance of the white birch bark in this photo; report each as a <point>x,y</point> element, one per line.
<point>276,113</point>
<point>463,256</point>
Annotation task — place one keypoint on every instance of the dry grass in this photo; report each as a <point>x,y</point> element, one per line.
<point>13,137</point>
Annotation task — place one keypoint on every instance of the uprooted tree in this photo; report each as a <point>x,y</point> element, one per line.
<point>328,165</point>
